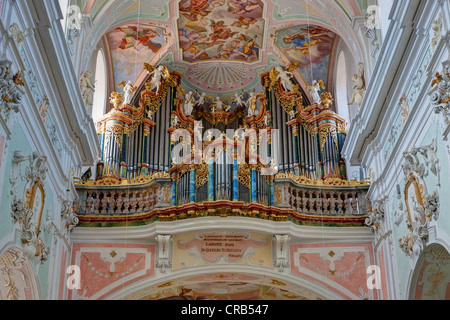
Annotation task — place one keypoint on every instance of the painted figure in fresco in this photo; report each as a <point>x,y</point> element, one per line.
<point>220,31</point>
<point>227,50</point>
<point>194,44</point>
<point>246,23</point>
<point>136,38</point>
<point>314,90</point>
<point>242,6</point>
<point>85,87</point>
<point>249,51</point>
<point>195,9</point>
<point>301,42</point>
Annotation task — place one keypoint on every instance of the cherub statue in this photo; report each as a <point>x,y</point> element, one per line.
<point>201,98</point>
<point>128,90</point>
<point>158,75</point>
<point>85,86</point>
<point>359,85</point>
<point>219,103</point>
<point>238,98</point>
<point>285,76</point>
<point>314,89</point>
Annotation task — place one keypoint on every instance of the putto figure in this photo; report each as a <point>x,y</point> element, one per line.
<point>158,76</point>
<point>85,87</point>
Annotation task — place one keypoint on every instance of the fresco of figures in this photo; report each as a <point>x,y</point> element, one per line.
<point>311,47</point>
<point>133,45</point>
<point>221,29</point>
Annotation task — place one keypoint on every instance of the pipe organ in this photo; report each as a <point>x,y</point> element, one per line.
<point>209,150</point>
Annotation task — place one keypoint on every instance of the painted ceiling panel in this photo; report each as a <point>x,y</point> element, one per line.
<point>223,45</point>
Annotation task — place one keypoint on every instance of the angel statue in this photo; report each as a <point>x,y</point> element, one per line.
<point>128,90</point>
<point>189,103</point>
<point>359,84</point>
<point>314,89</point>
<point>85,86</point>
<point>285,76</point>
<point>218,103</point>
<point>201,98</point>
<point>252,103</point>
<point>158,75</point>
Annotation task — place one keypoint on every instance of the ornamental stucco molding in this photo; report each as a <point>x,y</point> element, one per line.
<point>26,215</point>
<point>164,253</point>
<point>440,97</point>
<point>375,220</point>
<point>420,206</point>
<point>11,90</point>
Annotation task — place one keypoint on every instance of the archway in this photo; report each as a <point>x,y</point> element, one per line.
<point>431,277</point>
<point>16,273</point>
<point>225,283</point>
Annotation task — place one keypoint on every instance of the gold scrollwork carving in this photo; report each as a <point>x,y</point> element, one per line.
<point>201,177</point>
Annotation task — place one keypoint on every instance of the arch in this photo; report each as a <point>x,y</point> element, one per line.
<point>341,80</point>
<point>98,108</point>
<point>16,272</point>
<point>430,278</point>
<point>216,280</point>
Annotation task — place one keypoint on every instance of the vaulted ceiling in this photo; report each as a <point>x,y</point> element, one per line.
<point>221,46</point>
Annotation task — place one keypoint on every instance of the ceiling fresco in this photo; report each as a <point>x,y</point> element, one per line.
<point>229,30</point>
<point>131,46</point>
<point>223,46</point>
<point>311,46</point>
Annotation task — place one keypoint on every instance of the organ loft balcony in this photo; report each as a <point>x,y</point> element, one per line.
<point>170,155</point>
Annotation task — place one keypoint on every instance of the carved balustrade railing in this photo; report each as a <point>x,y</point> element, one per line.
<point>322,198</point>
<point>123,198</point>
<point>292,198</point>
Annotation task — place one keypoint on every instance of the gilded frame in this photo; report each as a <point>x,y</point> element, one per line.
<point>413,181</point>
